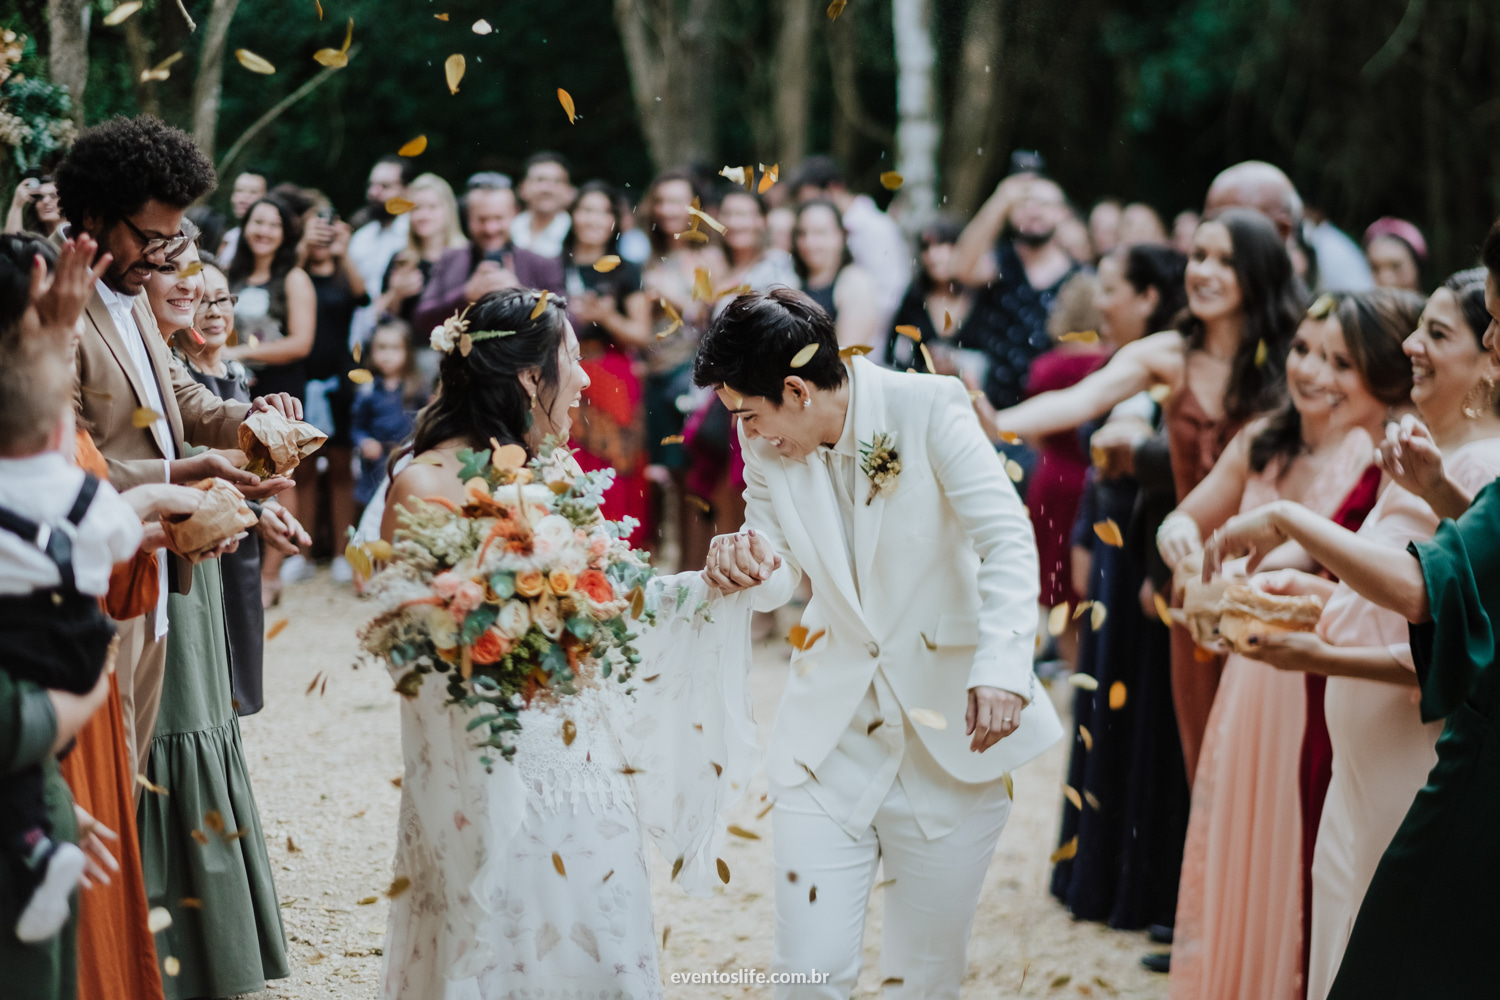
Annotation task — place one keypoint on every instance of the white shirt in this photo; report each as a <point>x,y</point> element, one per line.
<point>122,312</point>
<point>42,488</point>
<point>857,775</point>
<point>371,248</point>
<point>548,242</point>
<point>229,246</point>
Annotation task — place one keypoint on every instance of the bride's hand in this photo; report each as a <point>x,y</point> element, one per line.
<point>739,561</point>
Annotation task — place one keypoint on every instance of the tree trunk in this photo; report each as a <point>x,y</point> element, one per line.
<point>851,119</point>
<point>792,80</point>
<point>916,123</point>
<point>69,60</point>
<point>669,47</point>
<point>139,50</point>
<point>975,113</point>
<point>209,81</point>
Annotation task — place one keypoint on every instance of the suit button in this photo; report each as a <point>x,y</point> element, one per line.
<point>873,647</point>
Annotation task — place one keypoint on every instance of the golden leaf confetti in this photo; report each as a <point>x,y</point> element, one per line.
<point>399,206</point>
<point>607,876</point>
<point>481,27</point>
<point>199,837</point>
<point>1064,852</point>
<point>676,867</point>
<point>1162,609</point>
<point>607,263</point>
<point>441,17</point>
<point>739,831</point>
<point>318,4</point>
<point>666,932</point>
<point>158,920</point>
<point>161,70</point>
<point>927,357</point>
<point>929,717</point>
<point>566,100</point>
<point>368,900</point>
<point>399,885</point>
<point>144,782</point>
<point>692,236</point>
<point>907,330</point>
<point>797,636</point>
<point>1007,436</point>
<point>291,845</point>
<point>701,504</point>
<point>453,69</point>
<point>627,770</point>
<point>805,355</point>
<point>1082,609</point>
<point>1109,532</point>
<point>1057,619</point>
<point>557,863</point>
<point>1260,353</point>
<point>144,417</point>
<point>1091,799</point>
<point>672,439</point>
<point>736,175</point>
<point>673,315</point>
<point>1058,982</point>
<point>253,62</point>
<point>768,176</point>
<point>637,601</point>
<point>214,821</point>
<point>1014,471</point>
<point>890,180</point>
<point>1202,655</point>
<point>1071,794</point>
<point>1087,737</point>
<point>854,351</point>
<point>768,808</point>
<point>314,685</point>
<point>947,321</point>
<point>277,628</point>
<point>396,781</point>
<point>703,288</point>
<point>723,871</point>
<point>1117,695</point>
<point>171,966</point>
<point>1159,392</point>
<point>1010,786</point>
<point>891,981</point>
<point>1084,682</point>
<point>358,560</point>
<point>1097,614</point>
<point>886,884</point>
<point>836,8</point>
<point>791,877</point>
<point>541,303</point>
<point>812,894</point>
<point>332,58</point>
<point>189,269</point>
<point>707,219</point>
<point>380,550</point>
<point>569,732</point>
<point>1080,336</point>
<point>415,147</point>
<point>120,13</point>
<point>718,768</point>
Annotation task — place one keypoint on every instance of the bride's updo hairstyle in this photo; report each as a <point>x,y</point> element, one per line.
<point>480,396</point>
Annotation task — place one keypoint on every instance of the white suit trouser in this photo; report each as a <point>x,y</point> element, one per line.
<point>929,910</point>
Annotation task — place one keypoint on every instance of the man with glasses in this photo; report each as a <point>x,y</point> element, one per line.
<point>126,183</point>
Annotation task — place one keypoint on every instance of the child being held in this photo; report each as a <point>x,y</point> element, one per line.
<point>384,414</point>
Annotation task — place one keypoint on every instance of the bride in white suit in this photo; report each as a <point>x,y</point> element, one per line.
<point>913,695</point>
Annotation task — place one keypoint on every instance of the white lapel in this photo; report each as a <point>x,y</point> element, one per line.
<point>803,489</point>
<point>869,420</point>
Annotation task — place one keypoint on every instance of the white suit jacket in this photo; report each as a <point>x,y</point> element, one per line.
<point>947,570</point>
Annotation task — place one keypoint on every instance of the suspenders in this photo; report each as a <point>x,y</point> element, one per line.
<point>58,545</point>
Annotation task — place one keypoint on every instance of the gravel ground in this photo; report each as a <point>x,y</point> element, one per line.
<point>323,764</point>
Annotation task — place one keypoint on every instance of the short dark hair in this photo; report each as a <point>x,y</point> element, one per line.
<point>407,165</point>
<point>751,345</point>
<point>1163,268</point>
<point>1467,287</point>
<point>818,172</point>
<point>117,166</point>
<point>547,156</point>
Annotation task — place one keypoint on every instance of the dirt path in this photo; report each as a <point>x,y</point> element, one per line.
<point>323,765</point>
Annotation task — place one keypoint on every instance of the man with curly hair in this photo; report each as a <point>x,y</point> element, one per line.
<point>127,182</point>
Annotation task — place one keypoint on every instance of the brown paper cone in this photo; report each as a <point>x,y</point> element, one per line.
<point>222,515</point>
<point>276,445</point>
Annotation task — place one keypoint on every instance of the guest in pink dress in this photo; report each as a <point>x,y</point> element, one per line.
<point>1382,749</point>
<point>1239,913</point>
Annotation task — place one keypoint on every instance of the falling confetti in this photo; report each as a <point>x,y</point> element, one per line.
<point>854,351</point>
<point>739,831</point>
<point>927,358</point>
<point>453,69</point>
<point>144,417</point>
<point>441,17</point>
<point>723,871</point>
<point>1159,392</point>
<point>415,147</point>
<point>566,100</point>
<point>144,782</point>
<point>607,263</point>
<point>805,355</point>
<point>158,920</point>
<point>1117,695</point>
<point>1064,852</point>
<point>768,177</point>
<point>1014,471</point>
<point>277,628</point>
<point>1010,786</point>
<point>1086,736</point>
<point>557,863</point>
<point>481,27</point>
<point>812,894</point>
<point>907,330</point>
<point>1057,619</point>
<point>120,13</point>
<point>1081,337</point>
<point>1162,609</point>
<point>1097,614</point>
<point>890,180</point>
<point>1071,794</point>
<point>399,885</point>
<point>1260,353</point>
<point>1084,682</point>
<point>1082,609</point>
<point>161,70</point>
<point>171,966</point>
<point>399,206</point>
<point>1109,532</point>
<point>706,219</point>
<point>253,62</point>
<point>836,8</point>
<point>336,58</point>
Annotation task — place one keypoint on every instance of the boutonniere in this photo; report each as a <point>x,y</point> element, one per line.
<point>881,464</point>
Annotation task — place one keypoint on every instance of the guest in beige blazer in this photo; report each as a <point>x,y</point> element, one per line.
<point>126,182</point>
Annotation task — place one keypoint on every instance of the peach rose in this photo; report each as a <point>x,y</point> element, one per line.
<point>446,585</point>
<point>529,582</point>
<point>596,586</point>
<point>561,581</point>
<point>489,647</point>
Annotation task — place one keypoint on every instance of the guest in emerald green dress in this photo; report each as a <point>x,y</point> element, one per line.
<point>1429,923</point>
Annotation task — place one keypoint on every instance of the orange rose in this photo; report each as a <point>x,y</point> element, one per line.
<point>561,581</point>
<point>596,586</point>
<point>489,647</point>
<point>529,582</point>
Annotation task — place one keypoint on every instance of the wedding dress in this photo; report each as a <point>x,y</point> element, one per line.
<point>530,881</point>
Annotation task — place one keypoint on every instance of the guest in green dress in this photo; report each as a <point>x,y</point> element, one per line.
<point>201,843</point>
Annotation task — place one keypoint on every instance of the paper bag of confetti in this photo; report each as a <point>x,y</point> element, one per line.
<point>222,515</point>
<point>275,445</point>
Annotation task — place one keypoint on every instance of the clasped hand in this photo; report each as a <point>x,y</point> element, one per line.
<point>739,561</point>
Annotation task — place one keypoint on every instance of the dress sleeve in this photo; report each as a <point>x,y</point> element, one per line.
<point>1458,640</point>
<point>28,724</point>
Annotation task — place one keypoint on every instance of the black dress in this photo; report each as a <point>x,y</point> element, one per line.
<point>261,313</point>
<point>244,618</point>
<point>1011,326</point>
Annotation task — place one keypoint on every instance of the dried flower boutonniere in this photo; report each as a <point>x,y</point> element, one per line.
<point>881,464</point>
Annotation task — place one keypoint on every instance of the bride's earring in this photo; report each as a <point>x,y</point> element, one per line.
<point>1480,399</point>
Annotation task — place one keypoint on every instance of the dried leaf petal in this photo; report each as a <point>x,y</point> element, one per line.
<point>171,966</point>
<point>1109,532</point>
<point>707,219</point>
<point>768,177</point>
<point>1007,436</point>
<point>1159,392</point>
<point>332,58</point>
<point>1010,786</point>
<point>739,831</point>
<point>1260,353</point>
<point>1082,609</point>
<point>1071,794</point>
<point>929,717</point>
<point>1162,609</point>
<point>1080,337</point>
<point>541,303</point>
<point>805,355</point>
<point>569,732</point>
<point>368,900</point>
<point>158,919</point>
<point>672,439</point>
<point>399,206</point>
<point>481,27</point>
<point>318,4</point>
<point>398,885</point>
<point>676,867</point>
<point>703,289</point>
<point>1087,737</point>
<point>291,845</point>
<point>565,99</point>
<point>607,876</point>
<point>1091,799</point>
<point>1014,471</point>
<point>144,782</point>
<point>666,931</point>
<point>314,685</point>
<point>836,8</point>
<point>416,147</point>
<point>735,175</point>
<point>253,62</point>
<point>797,636</point>
<point>144,417</point>
<point>557,862</point>
<point>1057,619</point>
<point>812,894</point>
<point>854,351</point>
<point>1097,615</point>
<point>890,180</point>
<point>277,628</point>
<point>607,263</point>
<point>768,808</point>
<point>947,321</point>
<point>927,357</point>
<point>120,13</point>
<point>907,330</point>
<point>441,17</point>
<point>723,871</point>
<point>1085,682</point>
<point>453,70</point>
<point>1117,695</point>
<point>214,820</point>
<point>199,837</point>
<point>1064,852</point>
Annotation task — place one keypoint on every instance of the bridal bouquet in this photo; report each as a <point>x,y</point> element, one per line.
<point>519,595</point>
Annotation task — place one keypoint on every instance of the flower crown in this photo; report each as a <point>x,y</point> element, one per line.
<point>454,333</point>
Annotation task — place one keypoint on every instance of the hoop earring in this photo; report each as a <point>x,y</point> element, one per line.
<point>1475,408</point>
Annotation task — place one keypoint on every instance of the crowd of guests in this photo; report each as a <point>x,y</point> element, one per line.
<point>1150,386</point>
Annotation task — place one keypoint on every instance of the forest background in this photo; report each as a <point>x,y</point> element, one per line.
<point>1373,106</point>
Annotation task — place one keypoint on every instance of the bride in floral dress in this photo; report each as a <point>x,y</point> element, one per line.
<point>521,867</point>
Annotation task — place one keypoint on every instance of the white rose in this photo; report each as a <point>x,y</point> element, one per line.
<point>514,619</point>
<point>571,561</point>
<point>550,535</point>
<point>548,615</point>
<point>439,339</point>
